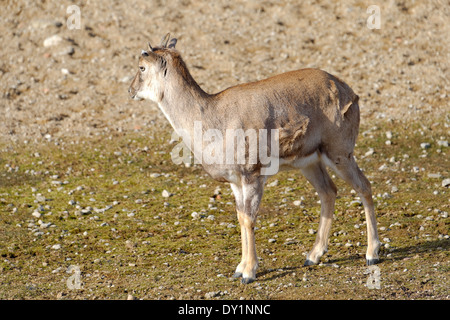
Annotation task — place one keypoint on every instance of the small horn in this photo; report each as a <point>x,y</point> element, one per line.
<point>164,40</point>
<point>150,46</point>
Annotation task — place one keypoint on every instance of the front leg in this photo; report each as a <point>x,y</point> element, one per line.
<point>248,197</point>
<point>251,260</point>
<point>241,266</point>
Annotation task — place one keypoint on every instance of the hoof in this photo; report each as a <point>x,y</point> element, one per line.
<point>371,262</point>
<point>247,280</point>
<point>309,263</point>
<point>237,275</point>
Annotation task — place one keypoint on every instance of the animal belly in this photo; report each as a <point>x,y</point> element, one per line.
<point>299,163</point>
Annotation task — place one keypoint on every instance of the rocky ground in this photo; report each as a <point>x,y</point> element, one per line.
<point>86,179</point>
<point>77,83</point>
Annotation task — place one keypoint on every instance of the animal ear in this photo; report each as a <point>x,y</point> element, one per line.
<point>164,40</point>
<point>172,43</point>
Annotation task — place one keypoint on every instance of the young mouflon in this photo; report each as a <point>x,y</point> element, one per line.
<point>311,121</point>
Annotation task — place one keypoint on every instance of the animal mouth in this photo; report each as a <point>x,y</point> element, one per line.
<point>136,98</point>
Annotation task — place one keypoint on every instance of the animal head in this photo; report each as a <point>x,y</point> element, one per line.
<point>150,80</point>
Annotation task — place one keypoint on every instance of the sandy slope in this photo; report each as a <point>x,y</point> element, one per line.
<point>79,85</point>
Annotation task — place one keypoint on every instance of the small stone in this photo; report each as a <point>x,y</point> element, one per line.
<point>425,145</point>
<point>60,295</point>
<point>274,183</point>
<point>446,182</point>
<point>386,196</point>
<point>130,244</point>
<point>370,152</point>
<point>389,135</point>
<point>36,214</point>
<point>52,41</point>
<point>434,175</point>
<point>442,143</point>
<point>355,203</point>
<point>131,297</point>
<point>195,215</point>
<point>72,202</point>
<point>166,194</point>
<point>68,50</point>
<point>272,240</point>
<point>40,198</point>
<point>45,225</point>
<point>212,294</point>
<point>297,202</point>
<point>56,246</point>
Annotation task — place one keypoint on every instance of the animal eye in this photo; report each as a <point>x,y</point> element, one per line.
<point>142,69</point>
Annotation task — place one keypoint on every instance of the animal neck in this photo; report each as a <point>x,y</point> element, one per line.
<point>184,101</point>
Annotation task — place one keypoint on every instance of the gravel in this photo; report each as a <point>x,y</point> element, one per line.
<point>446,182</point>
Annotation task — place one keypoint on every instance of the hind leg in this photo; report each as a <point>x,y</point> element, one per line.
<point>317,175</point>
<point>347,169</point>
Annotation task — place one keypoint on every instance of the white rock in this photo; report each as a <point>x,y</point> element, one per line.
<point>52,41</point>
<point>370,152</point>
<point>36,214</point>
<point>166,194</point>
<point>40,198</point>
<point>446,182</point>
<point>443,143</point>
<point>274,183</point>
<point>194,215</point>
<point>56,246</point>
